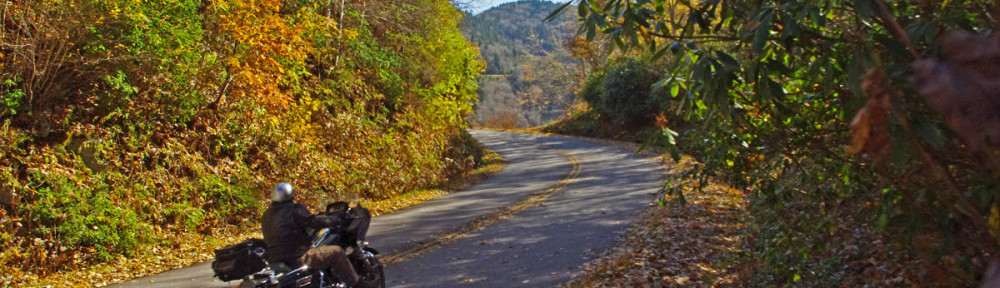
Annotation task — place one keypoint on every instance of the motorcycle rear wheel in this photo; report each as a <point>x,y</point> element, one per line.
<point>377,271</point>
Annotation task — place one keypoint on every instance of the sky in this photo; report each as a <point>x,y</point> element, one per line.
<point>476,6</point>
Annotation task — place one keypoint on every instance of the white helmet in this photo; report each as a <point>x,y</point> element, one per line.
<point>283,192</point>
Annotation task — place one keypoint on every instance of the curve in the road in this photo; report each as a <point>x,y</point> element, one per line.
<point>572,198</point>
<point>545,245</point>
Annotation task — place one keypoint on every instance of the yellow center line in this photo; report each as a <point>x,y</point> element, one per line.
<point>489,219</point>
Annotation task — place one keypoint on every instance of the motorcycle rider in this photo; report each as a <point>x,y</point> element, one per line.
<point>284,225</point>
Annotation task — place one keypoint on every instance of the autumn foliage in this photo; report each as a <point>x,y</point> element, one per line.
<point>128,124</point>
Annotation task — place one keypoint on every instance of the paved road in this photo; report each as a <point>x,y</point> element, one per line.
<point>572,199</point>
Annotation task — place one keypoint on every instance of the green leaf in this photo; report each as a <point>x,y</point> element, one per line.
<point>783,109</point>
<point>753,70</point>
<point>599,20</point>
<point>619,42</point>
<point>864,8</point>
<point>582,8</point>
<point>927,131</point>
<point>700,70</point>
<point>777,91</point>
<point>669,134</point>
<point>591,29</point>
<point>660,53</point>
<point>728,60</point>
<point>559,10</point>
<point>902,150</point>
<point>659,4</point>
<point>791,29</point>
<point>855,71</point>
<point>761,90</point>
<point>671,137</point>
<point>817,16</point>
<point>922,31</point>
<point>611,4</point>
<point>885,209</point>
<point>763,31</point>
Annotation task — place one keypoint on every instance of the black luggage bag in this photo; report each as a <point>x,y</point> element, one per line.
<point>239,260</point>
<point>358,220</point>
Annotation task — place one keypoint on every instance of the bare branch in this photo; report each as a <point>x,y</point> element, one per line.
<point>894,27</point>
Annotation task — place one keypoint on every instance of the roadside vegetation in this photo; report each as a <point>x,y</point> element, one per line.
<point>135,136</point>
<point>492,164</point>
<point>862,136</point>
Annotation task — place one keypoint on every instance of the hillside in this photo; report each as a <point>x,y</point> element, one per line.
<point>529,76</point>
<point>135,132</point>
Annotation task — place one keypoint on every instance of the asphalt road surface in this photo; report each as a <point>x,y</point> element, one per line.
<point>557,204</point>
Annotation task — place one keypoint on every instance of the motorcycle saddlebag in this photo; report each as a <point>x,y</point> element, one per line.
<point>239,260</point>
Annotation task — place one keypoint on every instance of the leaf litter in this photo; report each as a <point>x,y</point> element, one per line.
<point>677,245</point>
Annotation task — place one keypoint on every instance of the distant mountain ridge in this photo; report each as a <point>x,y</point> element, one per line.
<point>531,70</point>
<point>512,29</point>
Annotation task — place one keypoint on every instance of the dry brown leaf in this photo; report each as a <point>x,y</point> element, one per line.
<point>870,127</point>
<point>665,250</point>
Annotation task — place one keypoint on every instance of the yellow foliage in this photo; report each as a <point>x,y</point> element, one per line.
<point>350,34</point>
<point>255,55</point>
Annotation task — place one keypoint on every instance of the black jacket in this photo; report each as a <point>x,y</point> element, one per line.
<point>284,225</point>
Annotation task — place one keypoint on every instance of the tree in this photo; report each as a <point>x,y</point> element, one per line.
<point>781,89</point>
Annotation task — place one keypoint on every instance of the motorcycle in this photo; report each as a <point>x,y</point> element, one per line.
<point>247,260</point>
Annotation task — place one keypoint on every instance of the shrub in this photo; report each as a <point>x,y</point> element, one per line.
<point>465,144</point>
<point>504,120</point>
<point>230,201</point>
<point>77,217</point>
<point>592,89</point>
<point>622,91</point>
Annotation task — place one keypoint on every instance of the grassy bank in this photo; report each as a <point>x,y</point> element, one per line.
<point>491,164</point>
